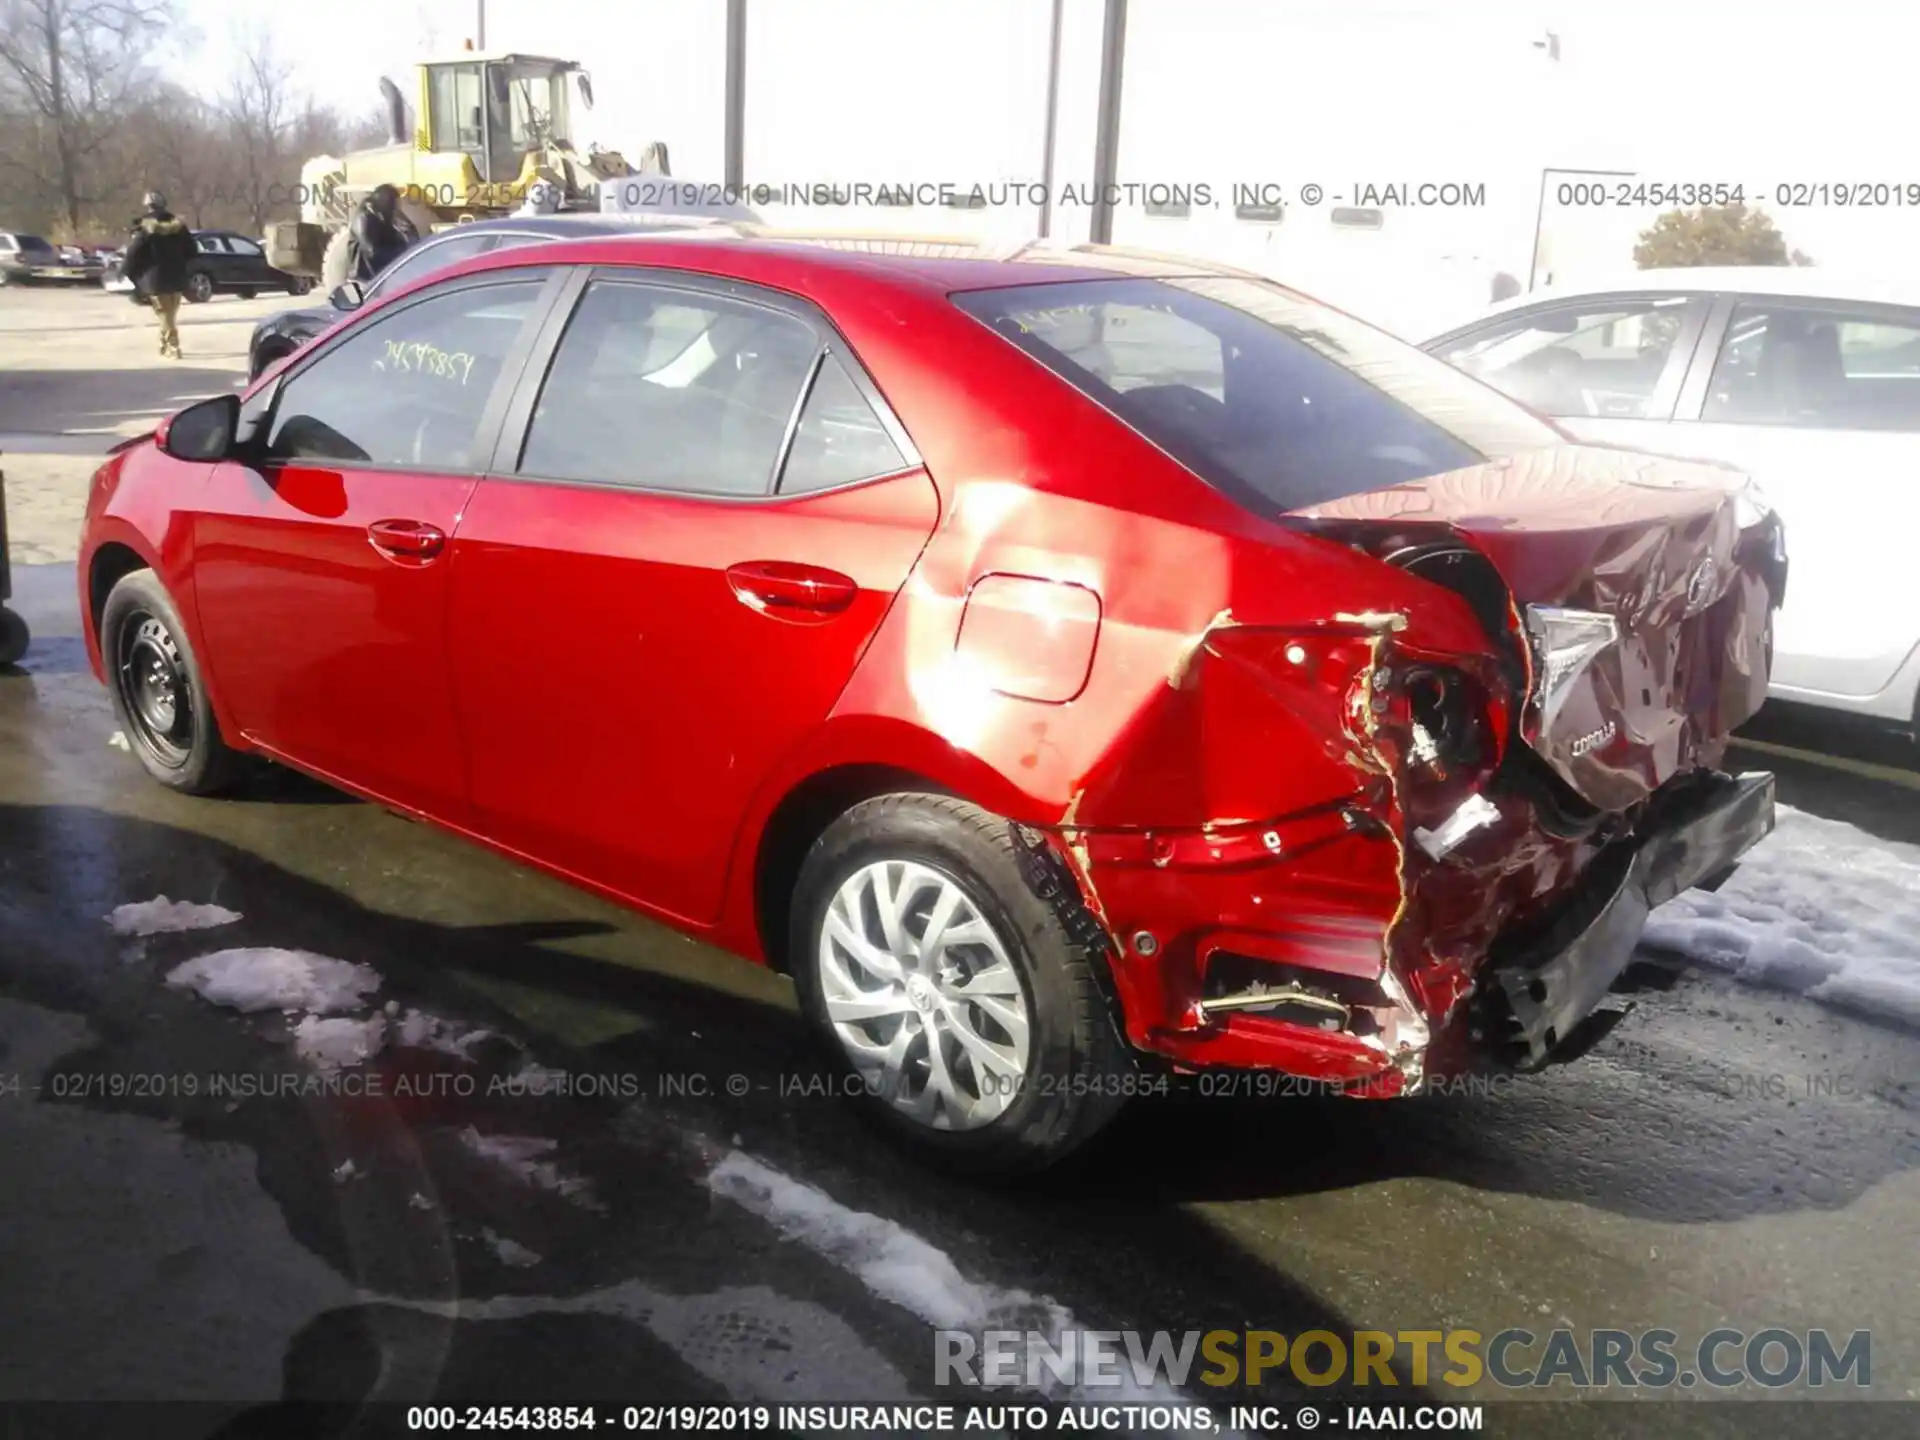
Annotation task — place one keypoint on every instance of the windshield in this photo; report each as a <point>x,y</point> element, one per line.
<point>1271,397</point>
<point>33,242</point>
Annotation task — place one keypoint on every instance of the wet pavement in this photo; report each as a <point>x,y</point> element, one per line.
<point>189,1209</point>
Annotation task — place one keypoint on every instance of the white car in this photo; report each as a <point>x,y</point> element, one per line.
<point>1807,381</point>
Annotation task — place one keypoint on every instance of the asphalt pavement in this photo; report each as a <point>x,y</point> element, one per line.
<point>189,1209</point>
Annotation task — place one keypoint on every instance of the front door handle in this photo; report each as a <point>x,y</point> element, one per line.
<point>791,591</point>
<point>407,539</point>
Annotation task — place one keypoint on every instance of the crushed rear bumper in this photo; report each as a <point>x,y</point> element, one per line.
<point>1539,989</point>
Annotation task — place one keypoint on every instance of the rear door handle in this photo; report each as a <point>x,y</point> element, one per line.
<point>407,539</point>
<point>791,591</point>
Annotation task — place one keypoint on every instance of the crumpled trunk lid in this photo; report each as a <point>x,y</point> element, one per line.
<point>1641,604</point>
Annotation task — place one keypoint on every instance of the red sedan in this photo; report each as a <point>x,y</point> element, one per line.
<point>1072,669</point>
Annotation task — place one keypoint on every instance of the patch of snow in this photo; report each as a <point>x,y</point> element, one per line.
<point>419,1030</point>
<point>888,1259</point>
<point>118,741</point>
<point>521,1155</point>
<point>161,915</point>
<point>417,1201</point>
<point>252,980</point>
<point>899,1266</point>
<point>336,1042</point>
<point>1819,908</point>
<point>345,1172</point>
<point>509,1252</point>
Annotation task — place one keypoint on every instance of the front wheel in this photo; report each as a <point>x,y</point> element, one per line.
<point>158,694</point>
<point>963,1003</point>
<point>199,287</point>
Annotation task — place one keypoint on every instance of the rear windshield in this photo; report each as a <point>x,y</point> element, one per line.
<point>1267,395</point>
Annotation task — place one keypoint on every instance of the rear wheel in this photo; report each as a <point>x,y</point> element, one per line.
<point>333,261</point>
<point>299,285</point>
<point>199,287</point>
<point>157,689</point>
<point>963,1004</point>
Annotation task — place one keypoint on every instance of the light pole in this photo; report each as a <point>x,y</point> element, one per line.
<point>480,24</point>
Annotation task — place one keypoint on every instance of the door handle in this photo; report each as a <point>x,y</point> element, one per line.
<point>791,591</point>
<point>406,539</point>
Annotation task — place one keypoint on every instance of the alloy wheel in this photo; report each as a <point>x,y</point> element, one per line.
<point>923,995</point>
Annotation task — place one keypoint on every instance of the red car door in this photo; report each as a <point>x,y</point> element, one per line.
<point>320,575</point>
<point>641,624</point>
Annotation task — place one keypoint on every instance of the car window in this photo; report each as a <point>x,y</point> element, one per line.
<point>1599,358</point>
<point>1272,397</point>
<point>210,244</point>
<point>407,390</point>
<point>671,390</point>
<point>242,247</point>
<point>1823,367</point>
<point>840,439</point>
<point>34,243</point>
<point>425,260</point>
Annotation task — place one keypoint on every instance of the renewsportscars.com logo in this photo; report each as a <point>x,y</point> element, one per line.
<point>1512,1359</point>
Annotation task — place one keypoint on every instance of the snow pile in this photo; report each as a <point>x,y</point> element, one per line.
<point>419,1030</point>
<point>899,1266</point>
<point>1818,908</point>
<point>161,915</point>
<point>335,1042</point>
<point>509,1252</point>
<point>889,1260</point>
<point>521,1155</point>
<point>291,981</point>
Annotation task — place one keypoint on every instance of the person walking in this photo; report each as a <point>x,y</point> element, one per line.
<point>378,235</point>
<point>156,263</point>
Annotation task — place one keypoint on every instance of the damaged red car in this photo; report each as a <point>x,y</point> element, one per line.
<point>1068,667</point>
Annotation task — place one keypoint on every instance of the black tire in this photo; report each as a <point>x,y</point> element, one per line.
<point>139,629</point>
<point>199,287</point>
<point>1077,1063</point>
<point>14,637</point>
<point>299,286</point>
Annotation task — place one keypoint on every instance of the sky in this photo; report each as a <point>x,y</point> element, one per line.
<point>1760,93</point>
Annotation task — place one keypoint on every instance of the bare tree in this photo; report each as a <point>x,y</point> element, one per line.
<point>261,111</point>
<point>71,69</point>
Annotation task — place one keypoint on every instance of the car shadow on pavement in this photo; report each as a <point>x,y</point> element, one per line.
<point>60,403</point>
<point>612,1222</point>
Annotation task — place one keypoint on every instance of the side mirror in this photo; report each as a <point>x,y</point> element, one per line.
<point>584,83</point>
<point>347,295</point>
<point>201,432</point>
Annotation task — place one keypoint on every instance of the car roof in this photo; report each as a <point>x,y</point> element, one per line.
<point>1802,282</point>
<point>928,263</point>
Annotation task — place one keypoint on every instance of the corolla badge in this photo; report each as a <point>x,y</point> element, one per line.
<point>1702,585</point>
<point>1594,739</point>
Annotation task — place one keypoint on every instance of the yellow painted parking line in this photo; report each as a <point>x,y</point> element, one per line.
<point>1889,773</point>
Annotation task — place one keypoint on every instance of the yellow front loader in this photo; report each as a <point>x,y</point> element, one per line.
<point>486,128</point>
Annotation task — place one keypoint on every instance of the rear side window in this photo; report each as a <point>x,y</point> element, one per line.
<point>406,391</point>
<point>1827,368</point>
<point>668,389</point>
<point>840,439</point>
<point>1271,397</point>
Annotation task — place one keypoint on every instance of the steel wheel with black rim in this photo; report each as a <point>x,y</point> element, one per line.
<point>157,691</point>
<point>966,1012</point>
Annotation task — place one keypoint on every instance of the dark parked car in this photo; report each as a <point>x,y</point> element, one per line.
<point>1067,669</point>
<point>227,263</point>
<point>25,259</point>
<point>280,335</point>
